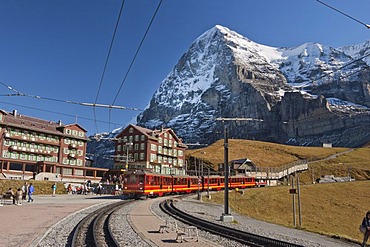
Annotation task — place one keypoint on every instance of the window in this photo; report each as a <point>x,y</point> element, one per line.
<point>142,156</point>
<point>153,157</point>
<point>136,138</point>
<point>142,137</point>
<point>136,156</point>
<point>159,149</point>
<point>153,147</point>
<point>119,148</point>
<point>32,157</point>
<point>131,130</point>
<point>180,152</point>
<point>160,139</point>
<point>67,141</point>
<point>79,162</point>
<point>136,146</point>
<point>142,146</point>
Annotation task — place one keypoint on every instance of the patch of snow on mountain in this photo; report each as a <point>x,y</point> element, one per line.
<point>345,106</point>
<point>357,51</point>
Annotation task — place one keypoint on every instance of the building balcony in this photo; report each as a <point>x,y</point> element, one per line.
<point>30,150</point>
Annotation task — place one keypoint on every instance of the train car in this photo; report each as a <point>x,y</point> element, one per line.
<point>212,183</point>
<point>241,182</point>
<point>185,184</point>
<point>140,183</point>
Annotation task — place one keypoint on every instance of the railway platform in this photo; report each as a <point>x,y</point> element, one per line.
<point>150,228</point>
<point>23,225</point>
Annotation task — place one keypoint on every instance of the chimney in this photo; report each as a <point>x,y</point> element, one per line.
<point>15,113</point>
<point>60,122</point>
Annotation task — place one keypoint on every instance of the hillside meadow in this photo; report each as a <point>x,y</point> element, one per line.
<point>333,209</point>
<point>322,161</point>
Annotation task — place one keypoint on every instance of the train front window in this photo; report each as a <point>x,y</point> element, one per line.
<point>135,179</point>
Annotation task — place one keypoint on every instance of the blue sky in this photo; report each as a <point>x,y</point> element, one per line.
<point>56,49</point>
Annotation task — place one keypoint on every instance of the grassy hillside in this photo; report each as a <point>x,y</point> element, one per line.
<point>334,209</point>
<point>329,161</point>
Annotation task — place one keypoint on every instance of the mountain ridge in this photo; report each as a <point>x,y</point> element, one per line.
<point>224,74</point>
<point>306,95</point>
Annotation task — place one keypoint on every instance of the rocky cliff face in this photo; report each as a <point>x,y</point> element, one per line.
<point>305,95</point>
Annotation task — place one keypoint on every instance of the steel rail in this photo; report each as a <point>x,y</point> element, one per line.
<point>246,238</point>
<point>87,230</point>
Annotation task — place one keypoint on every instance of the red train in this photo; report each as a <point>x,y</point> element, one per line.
<point>141,183</point>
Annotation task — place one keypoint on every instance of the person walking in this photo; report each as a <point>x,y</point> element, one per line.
<point>54,188</point>
<point>366,226</point>
<point>31,189</point>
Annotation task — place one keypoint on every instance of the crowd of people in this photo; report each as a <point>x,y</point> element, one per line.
<point>20,194</point>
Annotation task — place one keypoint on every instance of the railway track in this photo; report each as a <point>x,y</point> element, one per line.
<point>249,239</point>
<point>94,230</point>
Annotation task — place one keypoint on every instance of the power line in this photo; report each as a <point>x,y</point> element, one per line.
<point>137,51</point>
<point>57,113</point>
<point>327,5</point>
<point>107,58</point>
<point>18,93</point>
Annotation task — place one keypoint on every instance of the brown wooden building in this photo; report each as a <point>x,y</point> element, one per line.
<point>160,151</point>
<point>43,150</point>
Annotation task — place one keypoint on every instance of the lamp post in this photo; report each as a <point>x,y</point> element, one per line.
<point>226,217</point>
<point>128,144</point>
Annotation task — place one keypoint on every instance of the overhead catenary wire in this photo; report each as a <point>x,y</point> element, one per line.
<point>137,52</point>
<point>58,113</point>
<point>107,59</point>
<point>18,93</point>
<point>341,12</point>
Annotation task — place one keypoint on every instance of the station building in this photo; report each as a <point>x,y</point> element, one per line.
<point>43,150</point>
<point>159,151</point>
